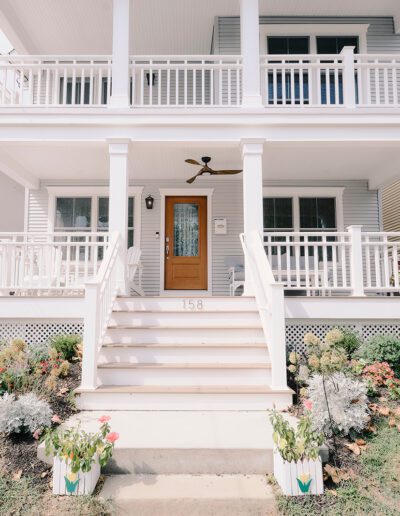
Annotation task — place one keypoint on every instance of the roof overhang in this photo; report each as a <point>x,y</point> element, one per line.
<point>158,26</point>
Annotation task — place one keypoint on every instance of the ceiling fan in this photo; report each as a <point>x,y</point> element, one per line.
<point>205,169</point>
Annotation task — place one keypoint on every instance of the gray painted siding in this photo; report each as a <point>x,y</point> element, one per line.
<point>380,37</point>
<point>361,206</point>
<point>391,207</point>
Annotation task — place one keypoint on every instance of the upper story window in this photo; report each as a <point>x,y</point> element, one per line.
<point>335,44</point>
<point>288,45</point>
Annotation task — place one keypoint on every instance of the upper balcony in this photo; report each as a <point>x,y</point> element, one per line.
<point>145,55</point>
<point>300,82</point>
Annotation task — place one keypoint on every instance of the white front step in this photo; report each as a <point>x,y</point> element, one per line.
<point>194,495</point>
<point>152,353</point>
<point>184,335</point>
<point>185,320</point>
<point>184,374</point>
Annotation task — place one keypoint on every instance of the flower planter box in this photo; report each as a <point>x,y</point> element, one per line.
<point>298,478</point>
<point>67,483</point>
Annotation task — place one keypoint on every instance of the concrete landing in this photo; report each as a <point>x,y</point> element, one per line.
<point>183,495</point>
<point>167,443</point>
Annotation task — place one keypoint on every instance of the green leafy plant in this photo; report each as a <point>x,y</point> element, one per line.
<point>350,342</point>
<point>66,345</point>
<point>382,348</point>
<point>81,449</point>
<point>296,444</point>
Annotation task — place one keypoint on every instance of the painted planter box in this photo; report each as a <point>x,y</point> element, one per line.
<point>298,478</point>
<point>67,483</point>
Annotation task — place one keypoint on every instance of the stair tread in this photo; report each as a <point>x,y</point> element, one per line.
<point>181,365</point>
<point>186,389</point>
<point>179,327</point>
<point>188,312</point>
<point>204,345</point>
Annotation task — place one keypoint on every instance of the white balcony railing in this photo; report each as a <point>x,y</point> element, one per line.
<point>49,262</point>
<point>351,262</point>
<point>55,80</point>
<point>186,81</point>
<point>345,80</point>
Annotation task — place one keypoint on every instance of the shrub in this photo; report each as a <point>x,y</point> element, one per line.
<point>347,407</point>
<point>26,414</point>
<point>38,352</point>
<point>349,343</point>
<point>382,348</point>
<point>14,366</point>
<point>66,345</point>
<point>324,357</point>
<point>294,445</point>
<point>378,373</point>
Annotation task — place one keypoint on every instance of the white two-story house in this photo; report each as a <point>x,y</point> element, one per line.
<point>289,113</point>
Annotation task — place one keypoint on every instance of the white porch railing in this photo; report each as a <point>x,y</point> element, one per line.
<point>99,299</point>
<point>186,81</point>
<point>378,81</point>
<point>55,80</point>
<point>49,262</point>
<point>270,304</point>
<point>352,262</point>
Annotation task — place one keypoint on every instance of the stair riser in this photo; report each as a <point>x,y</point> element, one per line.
<point>185,402</point>
<point>186,320</point>
<point>183,304</point>
<point>184,376</point>
<point>183,355</point>
<point>184,336</point>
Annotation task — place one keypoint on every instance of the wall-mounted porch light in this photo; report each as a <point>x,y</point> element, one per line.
<point>149,202</point>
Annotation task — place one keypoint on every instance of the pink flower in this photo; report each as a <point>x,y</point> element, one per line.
<point>104,419</point>
<point>112,437</point>
<point>307,405</point>
<point>56,419</point>
<point>36,433</point>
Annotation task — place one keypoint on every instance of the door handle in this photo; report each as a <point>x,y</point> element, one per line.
<point>167,250</point>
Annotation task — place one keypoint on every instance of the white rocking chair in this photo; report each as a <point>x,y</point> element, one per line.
<point>134,268</point>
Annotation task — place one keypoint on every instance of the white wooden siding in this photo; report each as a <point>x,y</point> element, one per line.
<point>381,37</point>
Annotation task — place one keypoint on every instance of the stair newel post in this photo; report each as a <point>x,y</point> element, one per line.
<point>356,261</point>
<point>277,348</point>
<point>91,336</point>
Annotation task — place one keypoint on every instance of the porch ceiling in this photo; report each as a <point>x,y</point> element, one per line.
<point>80,163</point>
<point>159,27</point>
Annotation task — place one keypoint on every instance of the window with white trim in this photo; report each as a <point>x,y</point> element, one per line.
<point>89,214</point>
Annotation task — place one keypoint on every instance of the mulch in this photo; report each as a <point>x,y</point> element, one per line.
<point>18,453</point>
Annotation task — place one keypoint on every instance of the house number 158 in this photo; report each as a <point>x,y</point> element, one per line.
<point>193,304</point>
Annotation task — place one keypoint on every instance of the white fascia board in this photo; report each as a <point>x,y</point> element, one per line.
<point>342,308</point>
<point>20,307</point>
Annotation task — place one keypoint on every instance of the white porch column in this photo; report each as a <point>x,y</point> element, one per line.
<point>356,261</point>
<point>120,55</point>
<point>118,206</point>
<point>252,153</point>
<point>250,49</point>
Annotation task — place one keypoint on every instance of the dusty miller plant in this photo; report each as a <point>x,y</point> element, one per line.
<point>26,414</point>
<point>343,408</point>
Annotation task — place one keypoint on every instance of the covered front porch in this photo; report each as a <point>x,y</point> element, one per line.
<point>316,230</point>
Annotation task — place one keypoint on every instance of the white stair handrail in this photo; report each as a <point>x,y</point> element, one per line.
<point>100,295</point>
<point>270,302</point>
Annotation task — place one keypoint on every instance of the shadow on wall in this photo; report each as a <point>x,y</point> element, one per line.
<point>12,197</point>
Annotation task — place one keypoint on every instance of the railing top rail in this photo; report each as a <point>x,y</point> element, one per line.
<point>292,57</point>
<point>306,233</point>
<point>259,255</point>
<point>183,57</point>
<point>53,57</point>
<point>55,233</point>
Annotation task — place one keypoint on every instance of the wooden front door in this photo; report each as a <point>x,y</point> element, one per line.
<point>186,243</point>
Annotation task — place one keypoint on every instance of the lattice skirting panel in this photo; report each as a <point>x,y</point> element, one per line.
<point>36,332</point>
<point>295,330</point>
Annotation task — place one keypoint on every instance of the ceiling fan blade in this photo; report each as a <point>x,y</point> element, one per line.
<point>226,172</point>
<point>192,162</point>
<point>190,181</point>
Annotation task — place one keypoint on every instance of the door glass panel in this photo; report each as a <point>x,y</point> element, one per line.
<point>186,229</point>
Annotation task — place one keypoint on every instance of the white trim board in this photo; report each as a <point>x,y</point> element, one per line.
<point>303,191</point>
<point>94,192</point>
<point>186,192</point>
<point>314,30</point>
